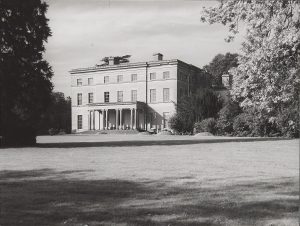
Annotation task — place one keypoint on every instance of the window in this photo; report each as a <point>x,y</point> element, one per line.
<point>133,95</point>
<point>106,79</point>
<point>91,98</point>
<point>120,96</point>
<point>106,97</point>
<point>152,76</point>
<point>166,94</point>
<point>90,81</point>
<point>120,78</point>
<point>133,77</point>
<point>166,74</point>
<point>165,119</point>
<point>79,82</point>
<point>79,121</point>
<point>152,95</point>
<point>79,99</point>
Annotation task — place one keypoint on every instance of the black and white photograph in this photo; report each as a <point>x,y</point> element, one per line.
<point>149,112</point>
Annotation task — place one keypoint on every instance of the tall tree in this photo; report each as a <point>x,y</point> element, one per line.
<point>57,116</point>
<point>220,65</point>
<point>25,77</point>
<point>267,77</point>
<point>194,108</point>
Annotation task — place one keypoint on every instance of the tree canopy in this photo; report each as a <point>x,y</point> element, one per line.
<point>25,76</point>
<point>194,108</point>
<point>267,77</point>
<point>220,65</point>
<point>57,115</point>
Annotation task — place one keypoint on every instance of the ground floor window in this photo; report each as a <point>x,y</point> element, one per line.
<point>79,121</point>
<point>165,119</point>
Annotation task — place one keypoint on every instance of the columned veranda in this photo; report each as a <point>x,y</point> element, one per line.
<point>116,116</point>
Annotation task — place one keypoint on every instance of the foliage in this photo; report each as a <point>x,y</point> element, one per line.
<point>57,116</point>
<point>226,116</point>
<point>285,125</point>
<point>220,65</point>
<point>206,125</point>
<point>196,107</point>
<point>267,77</point>
<point>25,84</point>
<point>117,59</point>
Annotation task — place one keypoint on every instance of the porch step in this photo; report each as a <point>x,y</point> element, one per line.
<point>110,132</point>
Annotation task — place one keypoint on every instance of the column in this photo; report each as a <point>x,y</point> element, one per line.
<point>131,121</point>
<point>99,113</point>
<point>106,119</point>
<point>121,120</point>
<point>93,119</point>
<point>135,122</point>
<point>103,118</point>
<point>117,118</point>
<point>89,120</point>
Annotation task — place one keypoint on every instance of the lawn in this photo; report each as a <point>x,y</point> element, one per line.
<point>232,183</point>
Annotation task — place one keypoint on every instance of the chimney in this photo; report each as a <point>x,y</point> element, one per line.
<point>111,60</point>
<point>157,56</point>
<point>227,81</point>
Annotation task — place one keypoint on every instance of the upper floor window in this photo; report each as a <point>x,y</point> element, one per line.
<point>91,98</point>
<point>79,98</point>
<point>120,96</point>
<point>90,81</point>
<point>133,95</point>
<point>106,97</point>
<point>166,74</point>
<point>133,77</point>
<point>79,121</point>
<point>152,95</point>
<point>166,95</point>
<point>79,82</point>
<point>152,76</point>
<point>120,78</point>
<point>106,79</point>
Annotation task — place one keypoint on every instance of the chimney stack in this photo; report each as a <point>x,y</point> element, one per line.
<point>111,60</point>
<point>157,56</point>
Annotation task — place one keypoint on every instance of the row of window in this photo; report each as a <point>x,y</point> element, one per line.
<point>166,96</point>
<point>166,75</point>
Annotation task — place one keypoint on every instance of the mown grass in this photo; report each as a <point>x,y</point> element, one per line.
<point>49,197</point>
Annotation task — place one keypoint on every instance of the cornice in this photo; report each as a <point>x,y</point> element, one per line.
<point>123,66</point>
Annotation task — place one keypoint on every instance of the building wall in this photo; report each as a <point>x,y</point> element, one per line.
<point>183,79</point>
<point>113,86</point>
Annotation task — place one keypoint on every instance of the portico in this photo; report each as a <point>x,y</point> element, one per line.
<point>116,116</point>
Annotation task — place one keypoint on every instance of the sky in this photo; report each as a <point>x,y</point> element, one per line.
<point>85,31</point>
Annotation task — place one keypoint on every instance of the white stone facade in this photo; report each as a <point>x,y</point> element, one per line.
<point>141,95</point>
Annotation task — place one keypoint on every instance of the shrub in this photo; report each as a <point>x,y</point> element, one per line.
<point>179,124</point>
<point>53,131</point>
<point>226,117</point>
<point>241,125</point>
<point>206,125</point>
<point>251,123</point>
<point>287,122</point>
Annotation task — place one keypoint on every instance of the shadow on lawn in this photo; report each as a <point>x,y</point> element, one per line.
<point>108,202</point>
<point>153,142</point>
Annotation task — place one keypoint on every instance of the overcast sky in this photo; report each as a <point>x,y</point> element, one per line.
<point>84,31</point>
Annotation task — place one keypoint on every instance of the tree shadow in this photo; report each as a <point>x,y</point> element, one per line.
<point>62,201</point>
<point>151,142</point>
